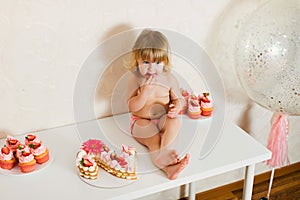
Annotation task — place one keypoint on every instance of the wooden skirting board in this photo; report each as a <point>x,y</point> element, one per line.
<point>289,177</point>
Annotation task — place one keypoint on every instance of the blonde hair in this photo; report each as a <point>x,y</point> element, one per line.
<point>150,45</point>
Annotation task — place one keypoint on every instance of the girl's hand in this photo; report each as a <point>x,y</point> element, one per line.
<point>172,111</point>
<point>148,86</point>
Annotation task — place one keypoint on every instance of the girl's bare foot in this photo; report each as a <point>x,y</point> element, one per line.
<point>165,158</point>
<point>173,171</point>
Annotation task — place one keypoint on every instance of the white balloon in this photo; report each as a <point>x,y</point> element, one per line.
<point>268,56</point>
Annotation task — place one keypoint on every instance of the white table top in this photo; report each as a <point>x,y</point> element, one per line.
<point>235,149</point>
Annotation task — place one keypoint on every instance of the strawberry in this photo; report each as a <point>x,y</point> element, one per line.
<point>5,150</point>
<point>87,163</point>
<point>12,141</point>
<point>205,99</point>
<point>30,137</point>
<point>24,153</point>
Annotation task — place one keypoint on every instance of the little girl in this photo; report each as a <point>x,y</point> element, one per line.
<point>154,99</point>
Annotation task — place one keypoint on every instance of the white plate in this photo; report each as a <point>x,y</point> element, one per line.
<point>107,180</point>
<point>15,171</point>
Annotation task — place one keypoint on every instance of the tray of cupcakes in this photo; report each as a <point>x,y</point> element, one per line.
<point>19,157</point>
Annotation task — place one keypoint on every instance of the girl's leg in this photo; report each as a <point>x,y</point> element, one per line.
<point>169,131</point>
<point>173,171</point>
<point>147,133</point>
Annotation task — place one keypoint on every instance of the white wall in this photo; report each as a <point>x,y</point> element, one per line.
<point>43,45</point>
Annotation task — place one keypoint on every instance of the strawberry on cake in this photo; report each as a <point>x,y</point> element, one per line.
<point>32,139</point>
<point>86,165</point>
<point>12,143</point>
<point>7,159</point>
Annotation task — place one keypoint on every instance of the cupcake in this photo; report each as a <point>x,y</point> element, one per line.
<point>206,104</point>
<point>185,94</point>
<point>31,139</point>
<point>194,110</point>
<point>12,143</point>
<point>40,152</point>
<point>7,159</point>
<point>26,161</point>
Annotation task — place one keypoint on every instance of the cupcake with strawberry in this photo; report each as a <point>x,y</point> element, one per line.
<point>185,94</point>
<point>26,161</point>
<point>32,139</point>
<point>37,148</point>
<point>40,152</point>
<point>7,159</point>
<point>206,104</point>
<point>12,143</point>
<point>194,110</point>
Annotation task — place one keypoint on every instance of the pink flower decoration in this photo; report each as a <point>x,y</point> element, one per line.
<point>93,146</point>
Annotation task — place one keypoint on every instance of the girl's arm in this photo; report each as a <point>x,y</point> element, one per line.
<point>138,98</point>
<point>175,106</point>
<point>176,99</point>
<point>137,101</point>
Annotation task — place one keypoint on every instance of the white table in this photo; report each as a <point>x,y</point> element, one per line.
<point>235,149</point>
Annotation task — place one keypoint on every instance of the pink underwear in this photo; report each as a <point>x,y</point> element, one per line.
<point>134,118</point>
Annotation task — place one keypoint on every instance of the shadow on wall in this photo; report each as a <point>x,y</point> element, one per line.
<point>112,83</point>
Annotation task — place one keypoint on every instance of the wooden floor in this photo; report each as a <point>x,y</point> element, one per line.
<point>286,186</point>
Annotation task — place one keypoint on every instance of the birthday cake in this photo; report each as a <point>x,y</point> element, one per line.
<point>121,165</point>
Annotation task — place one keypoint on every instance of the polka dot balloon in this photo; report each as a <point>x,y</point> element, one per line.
<point>267,56</point>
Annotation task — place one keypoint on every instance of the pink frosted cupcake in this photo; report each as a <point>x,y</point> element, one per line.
<point>12,143</point>
<point>32,139</point>
<point>40,152</point>
<point>26,161</point>
<point>7,159</point>
<point>194,110</point>
<point>206,104</point>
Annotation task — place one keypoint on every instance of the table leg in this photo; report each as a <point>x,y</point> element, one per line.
<point>192,194</point>
<point>248,184</point>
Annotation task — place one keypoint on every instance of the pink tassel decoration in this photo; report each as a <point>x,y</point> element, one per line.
<point>277,142</point>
